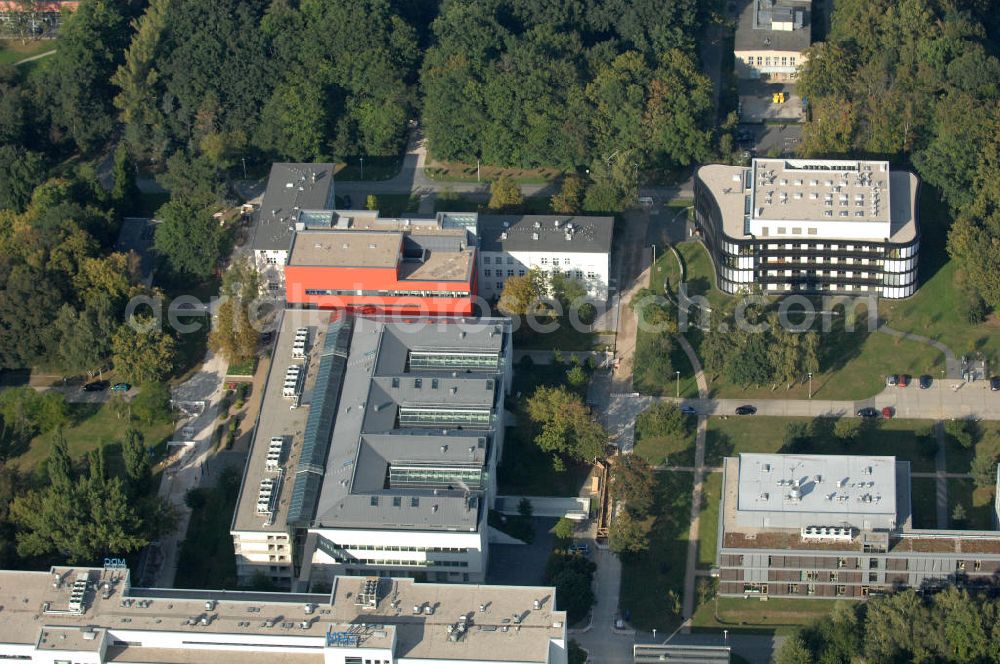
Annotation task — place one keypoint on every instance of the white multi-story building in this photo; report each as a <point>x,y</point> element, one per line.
<point>811,226</point>
<point>576,246</point>
<point>94,616</point>
<point>376,449</point>
<point>772,37</point>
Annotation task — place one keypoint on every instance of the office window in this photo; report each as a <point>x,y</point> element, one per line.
<point>545,261</point>
<point>555,260</point>
<point>760,60</point>
<point>792,60</point>
<point>591,275</point>
<point>784,61</point>
<point>565,261</point>
<point>579,274</point>
<point>434,383</point>
<point>520,273</point>
<point>487,273</point>
<point>499,285</point>
<point>486,260</point>
<point>510,273</point>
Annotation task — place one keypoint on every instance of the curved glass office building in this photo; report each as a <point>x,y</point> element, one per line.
<point>810,226</point>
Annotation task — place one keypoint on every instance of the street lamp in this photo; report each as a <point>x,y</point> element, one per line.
<point>362,168</point>
<point>678,374</point>
<point>810,385</point>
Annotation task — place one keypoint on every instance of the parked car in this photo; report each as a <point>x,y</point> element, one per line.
<point>689,410</point>
<point>867,412</point>
<point>925,382</point>
<point>888,412</point>
<point>903,381</point>
<point>746,410</point>
<point>995,383</point>
<point>891,381</point>
<point>96,386</point>
<point>581,547</point>
<point>121,387</point>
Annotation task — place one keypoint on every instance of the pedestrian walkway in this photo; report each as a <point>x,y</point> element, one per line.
<point>953,368</point>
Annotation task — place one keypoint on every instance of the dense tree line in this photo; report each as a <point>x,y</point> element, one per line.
<point>569,84</point>
<point>952,626</point>
<point>919,81</point>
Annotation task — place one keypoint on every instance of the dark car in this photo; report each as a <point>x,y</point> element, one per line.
<point>746,410</point>
<point>867,412</point>
<point>689,410</point>
<point>995,383</point>
<point>904,380</point>
<point>583,549</point>
<point>925,382</point>
<point>891,381</point>
<point>96,386</point>
<point>121,387</point>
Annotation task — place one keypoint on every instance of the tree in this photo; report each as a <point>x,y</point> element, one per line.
<point>85,336</point>
<point>234,334</point>
<point>984,468</point>
<point>570,197</point>
<point>505,195</point>
<point>521,294</point>
<point>137,465</point>
<point>614,185</point>
<point>564,529</point>
<point>577,378</point>
<point>21,171</point>
<point>141,356</point>
<point>847,428</point>
<point>567,290</point>
<point>573,576</point>
<point>568,428</point>
<point>152,404</point>
<point>663,420</point>
<point>80,518</point>
<point>372,202</point>
<point>629,534</point>
<point>632,483</point>
<point>124,191</point>
<point>961,431</point>
<point>189,240</point>
<point>793,651</point>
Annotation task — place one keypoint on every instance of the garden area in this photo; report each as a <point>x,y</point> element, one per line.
<point>775,616</point>
<point>14,50</point>
<point>206,554</point>
<point>652,584</point>
<point>708,522</point>
<point>664,435</point>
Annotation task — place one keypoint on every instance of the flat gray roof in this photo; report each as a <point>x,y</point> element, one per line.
<point>368,436</point>
<point>346,249</point>
<point>754,31</point>
<point>291,187</point>
<point>830,489</point>
<point>506,233</point>
<point>37,613</point>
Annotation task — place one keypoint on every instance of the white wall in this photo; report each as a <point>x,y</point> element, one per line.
<point>271,267</point>
<point>593,266</point>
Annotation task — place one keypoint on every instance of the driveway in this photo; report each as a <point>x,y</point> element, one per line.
<point>522,565</point>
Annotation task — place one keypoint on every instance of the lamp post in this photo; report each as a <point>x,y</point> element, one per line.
<point>362,168</point>
<point>678,374</point>
<point>810,385</point>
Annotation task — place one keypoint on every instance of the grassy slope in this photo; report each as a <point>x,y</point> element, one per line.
<point>708,524</point>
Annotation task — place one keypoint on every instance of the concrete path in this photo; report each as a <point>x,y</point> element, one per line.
<point>687,606</point>
<point>35,57</point>
<point>206,385</point>
<point>953,368</point>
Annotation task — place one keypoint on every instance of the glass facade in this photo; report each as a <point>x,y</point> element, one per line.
<point>444,360</point>
<point>436,476</point>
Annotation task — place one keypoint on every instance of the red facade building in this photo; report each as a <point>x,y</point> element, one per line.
<point>428,271</point>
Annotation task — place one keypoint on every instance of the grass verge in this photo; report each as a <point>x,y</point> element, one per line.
<point>708,523</point>
<point>206,555</point>
<point>977,504</point>
<point>652,585</point>
<point>777,616</point>
<point>923,502</point>
<point>375,168</point>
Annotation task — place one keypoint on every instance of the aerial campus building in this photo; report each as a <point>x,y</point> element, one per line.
<point>94,616</point>
<point>375,450</point>
<point>316,256</point>
<point>810,226</point>
<point>827,526</point>
<point>771,38</point>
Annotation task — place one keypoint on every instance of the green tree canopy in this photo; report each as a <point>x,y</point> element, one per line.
<point>140,356</point>
<point>567,427</point>
<point>188,238</point>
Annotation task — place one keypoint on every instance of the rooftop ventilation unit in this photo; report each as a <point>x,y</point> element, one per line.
<point>77,593</point>
<point>274,451</point>
<point>292,386</point>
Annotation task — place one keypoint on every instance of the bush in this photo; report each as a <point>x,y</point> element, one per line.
<point>564,529</point>
<point>962,432</point>
<point>573,577</point>
<point>662,419</point>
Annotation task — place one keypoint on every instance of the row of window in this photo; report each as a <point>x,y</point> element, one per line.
<point>413,549</point>
<point>424,359</point>
<point>384,293</point>
<point>766,60</point>
<point>401,563</point>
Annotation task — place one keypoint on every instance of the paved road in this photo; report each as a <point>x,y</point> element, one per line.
<point>206,385</point>
<point>603,643</point>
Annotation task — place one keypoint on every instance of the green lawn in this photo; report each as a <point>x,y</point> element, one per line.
<point>527,471</point>
<point>923,502</point>
<point>647,578</point>
<point>708,524</point>
<point>12,50</point>
<point>440,171</point>
<point>699,273</point>
<point>656,449</point>
<point>394,205</point>
<point>932,311</point>
<point>978,504</point>
<point>777,615</point>
<point>92,426</point>
<point>564,337</point>
<point>375,168</point>
<point>731,435</point>
<point>206,555</point>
